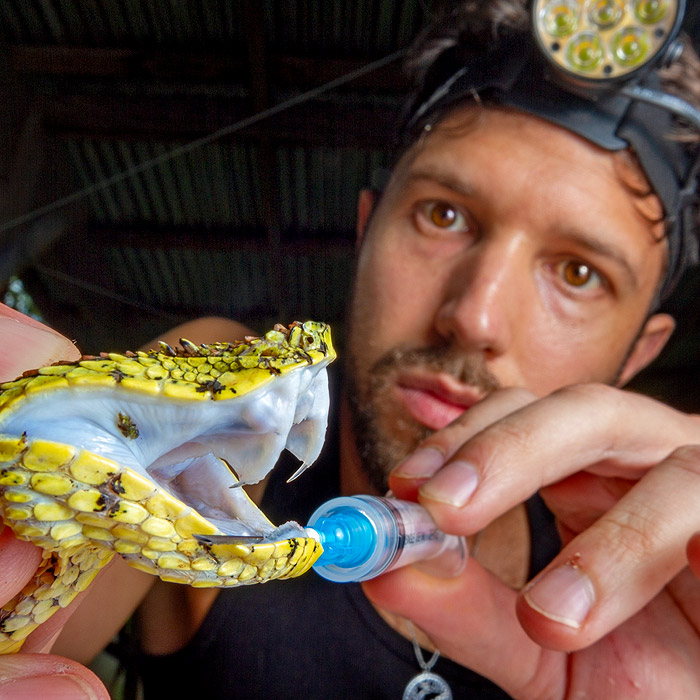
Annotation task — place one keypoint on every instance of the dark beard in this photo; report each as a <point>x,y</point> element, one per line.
<point>380,453</point>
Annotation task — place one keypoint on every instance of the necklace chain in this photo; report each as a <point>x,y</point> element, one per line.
<point>427,684</point>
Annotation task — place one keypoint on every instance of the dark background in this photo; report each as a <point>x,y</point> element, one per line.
<point>256,224</point>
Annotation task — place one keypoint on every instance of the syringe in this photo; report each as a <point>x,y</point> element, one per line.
<point>364,536</point>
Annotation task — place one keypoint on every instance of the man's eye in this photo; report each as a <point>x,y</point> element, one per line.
<point>579,274</point>
<point>444,216</point>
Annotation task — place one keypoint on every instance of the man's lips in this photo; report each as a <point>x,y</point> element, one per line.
<point>433,404</point>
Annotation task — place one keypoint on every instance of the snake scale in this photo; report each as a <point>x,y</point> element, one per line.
<point>144,454</point>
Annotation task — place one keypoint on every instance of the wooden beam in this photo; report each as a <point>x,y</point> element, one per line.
<point>218,239</point>
<point>179,118</point>
<point>194,66</point>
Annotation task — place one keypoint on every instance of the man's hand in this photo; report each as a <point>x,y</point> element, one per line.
<point>26,344</point>
<point>617,613</point>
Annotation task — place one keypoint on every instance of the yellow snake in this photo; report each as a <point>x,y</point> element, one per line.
<point>144,454</point>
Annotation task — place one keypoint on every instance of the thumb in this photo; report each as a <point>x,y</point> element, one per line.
<point>32,676</point>
<point>470,619</point>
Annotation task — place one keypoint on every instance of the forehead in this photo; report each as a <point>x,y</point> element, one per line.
<point>509,136</point>
<point>508,149</point>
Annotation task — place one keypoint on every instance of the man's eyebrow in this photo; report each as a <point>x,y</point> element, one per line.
<point>439,177</point>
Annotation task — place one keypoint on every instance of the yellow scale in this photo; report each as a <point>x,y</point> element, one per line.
<point>81,507</point>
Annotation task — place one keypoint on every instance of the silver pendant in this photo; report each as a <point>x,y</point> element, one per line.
<point>427,686</point>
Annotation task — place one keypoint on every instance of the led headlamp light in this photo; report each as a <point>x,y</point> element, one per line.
<point>590,67</point>
<point>597,41</point>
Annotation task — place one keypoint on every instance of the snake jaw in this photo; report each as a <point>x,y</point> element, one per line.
<point>207,473</point>
<point>205,483</point>
<point>152,436</point>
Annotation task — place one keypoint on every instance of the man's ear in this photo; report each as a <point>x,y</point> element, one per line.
<point>655,334</point>
<point>365,206</point>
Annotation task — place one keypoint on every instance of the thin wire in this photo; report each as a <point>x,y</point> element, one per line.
<point>120,298</point>
<point>198,143</point>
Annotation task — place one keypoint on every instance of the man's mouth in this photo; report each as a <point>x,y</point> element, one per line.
<point>435,402</point>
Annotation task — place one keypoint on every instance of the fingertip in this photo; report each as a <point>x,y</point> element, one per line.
<point>405,488</point>
<point>454,485</point>
<point>27,344</point>
<point>553,609</point>
<point>421,464</point>
<point>31,676</point>
<point>385,591</point>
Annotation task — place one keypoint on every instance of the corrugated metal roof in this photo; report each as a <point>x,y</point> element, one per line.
<point>217,185</point>
<point>120,22</point>
<point>357,28</point>
<point>219,229</point>
<point>255,225</point>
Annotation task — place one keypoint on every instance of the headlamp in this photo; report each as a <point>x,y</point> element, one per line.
<point>605,40</point>
<point>590,67</point>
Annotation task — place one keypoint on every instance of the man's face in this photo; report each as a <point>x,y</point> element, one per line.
<point>505,252</point>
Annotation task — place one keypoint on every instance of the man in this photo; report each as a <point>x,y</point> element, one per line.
<point>510,269</point>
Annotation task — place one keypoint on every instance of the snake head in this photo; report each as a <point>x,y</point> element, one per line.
<point>166,440</point>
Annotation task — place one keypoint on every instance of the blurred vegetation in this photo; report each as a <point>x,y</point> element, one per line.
<point>16,296</point>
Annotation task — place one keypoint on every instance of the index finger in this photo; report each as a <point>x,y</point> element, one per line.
<point>587,427</point>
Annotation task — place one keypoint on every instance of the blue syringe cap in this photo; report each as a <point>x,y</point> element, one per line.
<point>347,536</point>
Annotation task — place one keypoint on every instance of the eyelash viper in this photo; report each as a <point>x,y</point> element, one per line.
<point>143,454</point>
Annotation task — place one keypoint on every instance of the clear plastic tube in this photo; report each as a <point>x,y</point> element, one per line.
<point>364,536</point>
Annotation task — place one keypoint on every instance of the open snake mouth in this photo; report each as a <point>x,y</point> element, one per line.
<point>199,451</point>
<point>209,471</point>
<point>145,455</point>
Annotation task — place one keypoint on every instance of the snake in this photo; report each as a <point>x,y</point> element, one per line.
<point>147,454</point>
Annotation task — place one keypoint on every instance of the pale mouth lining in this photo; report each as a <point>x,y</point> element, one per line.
<point>209,485</point>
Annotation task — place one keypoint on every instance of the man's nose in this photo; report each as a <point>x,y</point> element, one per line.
<point>485,296</point>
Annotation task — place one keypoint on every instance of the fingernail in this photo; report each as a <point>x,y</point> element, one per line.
<point>57,687</point>
<point>565,595</point>
<point>423,463</point>
<point>454,484</point>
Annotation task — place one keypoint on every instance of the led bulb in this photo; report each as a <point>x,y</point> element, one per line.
<point>630,46</point>
<point>605,13</point>
<point>585,52</point>
<point>650,11</point>
<point>560,17</point>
